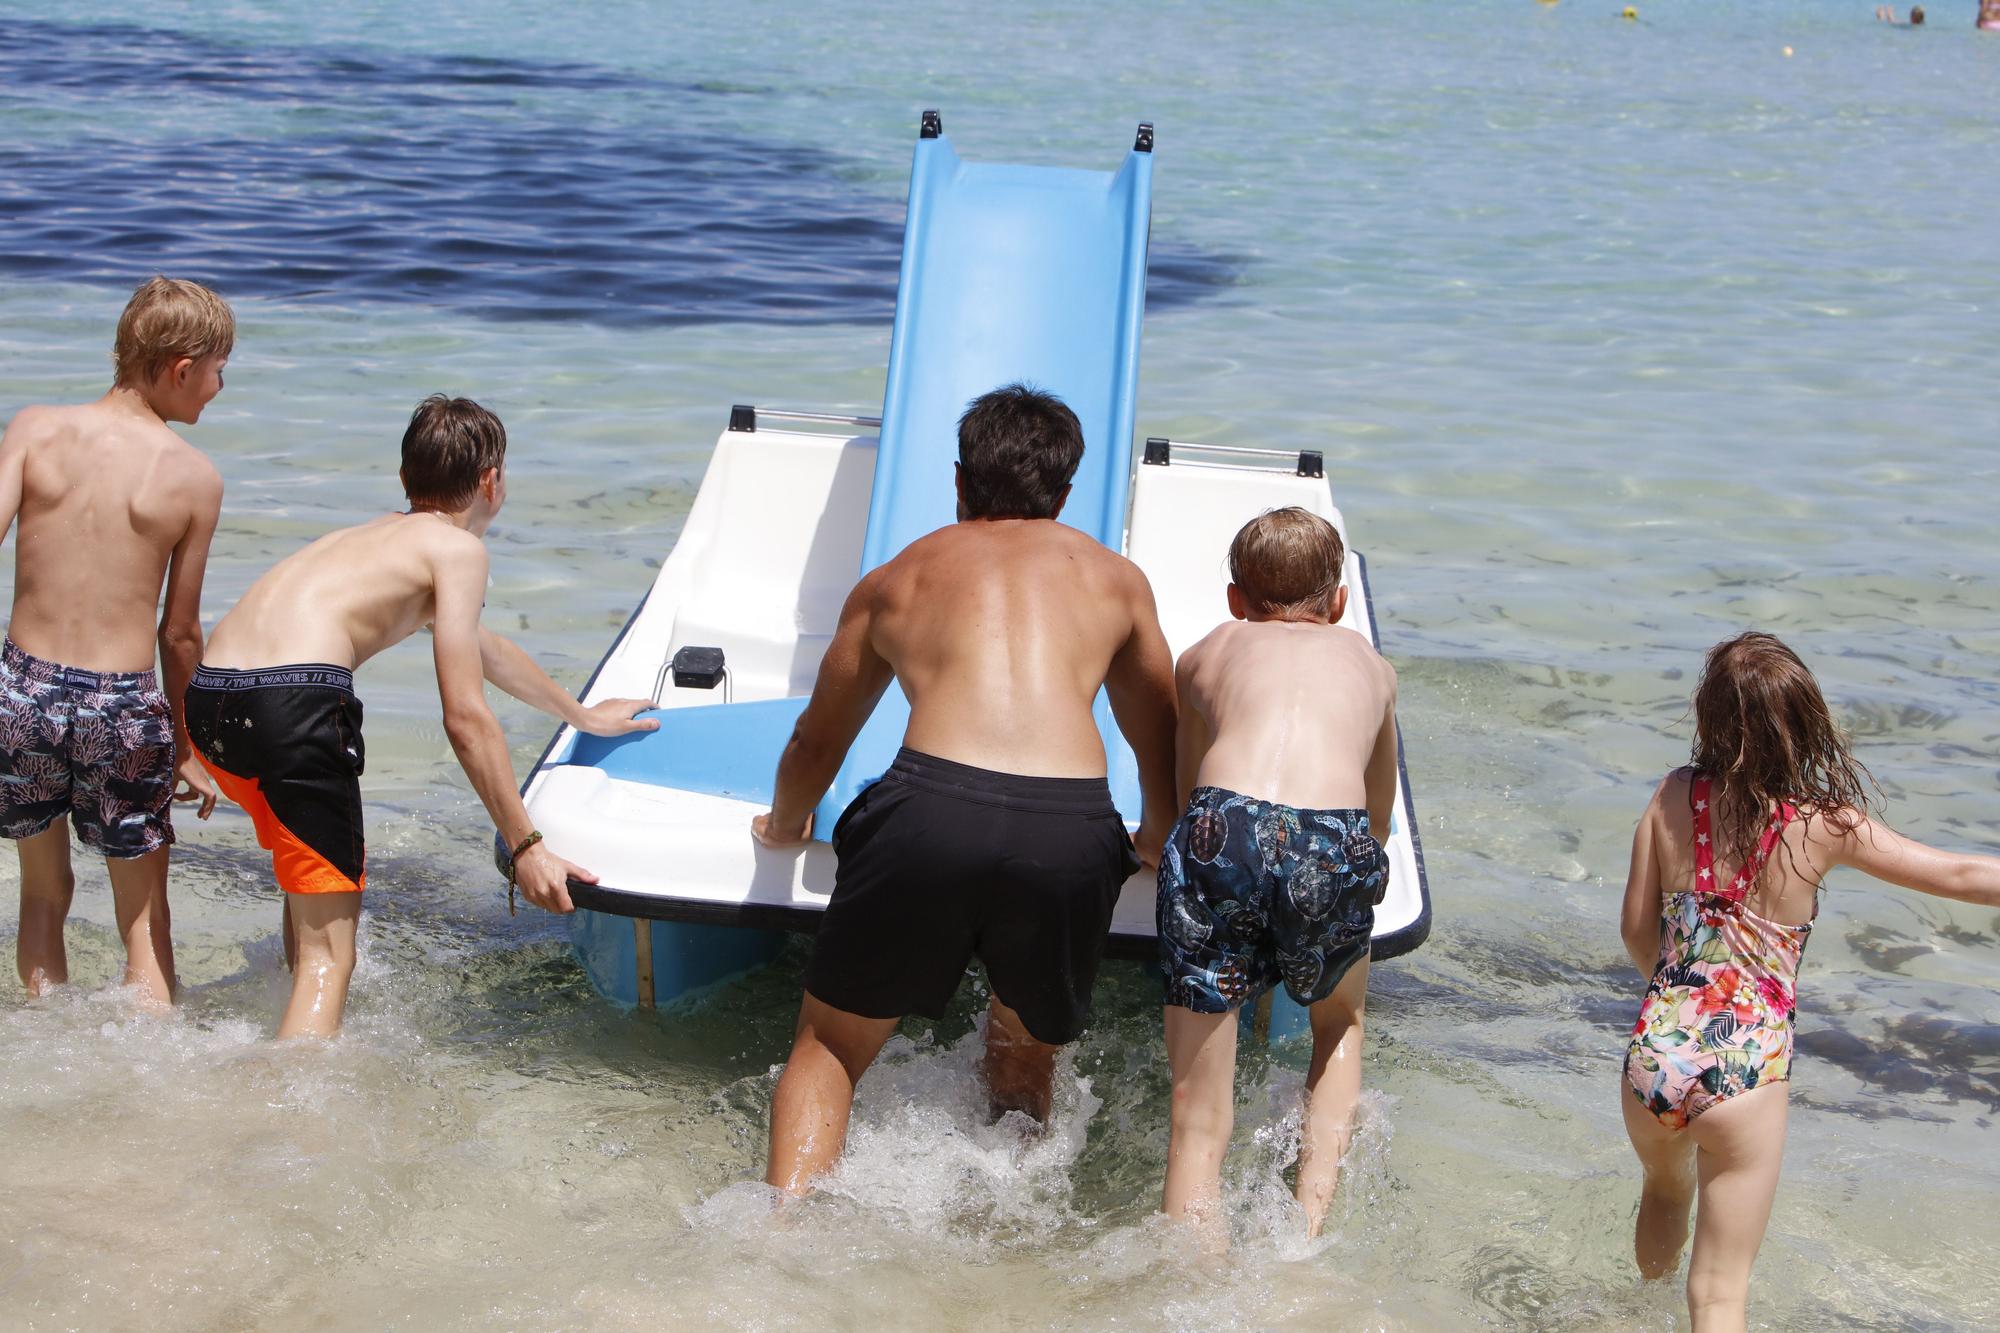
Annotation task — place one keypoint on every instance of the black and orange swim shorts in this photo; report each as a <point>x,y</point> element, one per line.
<point>285,744</point>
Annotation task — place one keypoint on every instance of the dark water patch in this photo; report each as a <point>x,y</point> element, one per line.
<point>100,57</point>
<point>1886,950</point>
<point>1922,1055</point>
<point>433,179</point>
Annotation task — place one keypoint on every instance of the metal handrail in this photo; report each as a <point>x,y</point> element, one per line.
<point>834,417</point>
<point>1305,462</point>
<point>744,417</point>
<point>1246,449</point>
<point>1219,467</point>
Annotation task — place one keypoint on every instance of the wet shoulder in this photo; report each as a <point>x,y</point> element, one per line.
<point>445,542</point>
<point>1096,567</point>
<point>35,422</point>
<point>1196,671</point>
<point>1012,548</point>
<point>1216,643</point>
<point>188,469</point>
<point>38,427</point>
<point>1672,803</point>
<point>399,551</point>
<point>1356,652</point>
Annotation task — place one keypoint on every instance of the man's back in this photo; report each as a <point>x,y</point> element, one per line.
<point>1001,632</point>
<point>106,493</point>
<point>345,597</point>
<point>993,834</point>
<point>1294,712</point>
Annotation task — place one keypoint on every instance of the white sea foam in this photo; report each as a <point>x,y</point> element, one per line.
<point>1581,413</point>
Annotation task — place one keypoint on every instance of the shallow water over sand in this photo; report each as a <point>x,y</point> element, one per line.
<point>1617,337</point>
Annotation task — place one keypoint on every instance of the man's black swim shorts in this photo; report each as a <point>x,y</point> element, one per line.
<point>941,863</point>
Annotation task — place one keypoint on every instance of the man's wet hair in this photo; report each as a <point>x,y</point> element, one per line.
<point>1916,15</point>
<point>450,444</point>
<point>1287,562</point>
<point>167,319</point>
<point>1018,447</point>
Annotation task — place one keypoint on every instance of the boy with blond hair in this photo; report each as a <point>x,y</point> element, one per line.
<point>1286,760</point>
<point>112,506</point>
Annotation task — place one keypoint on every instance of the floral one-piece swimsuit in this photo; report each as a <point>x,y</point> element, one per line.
<point>1717,1019</point>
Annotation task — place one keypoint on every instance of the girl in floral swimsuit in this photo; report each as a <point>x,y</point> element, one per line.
<point>1726,867</point>
<point>1718,1017</point>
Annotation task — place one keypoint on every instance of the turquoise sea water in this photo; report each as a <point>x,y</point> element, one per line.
<point>1618,337</point>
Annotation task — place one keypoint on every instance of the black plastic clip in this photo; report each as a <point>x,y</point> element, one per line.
<point>698,668</point>
<point>1311,463</point>
<point>743,417</point>
<point>1144,143</point>
<point>932,126</point>
<point>1159,452</point>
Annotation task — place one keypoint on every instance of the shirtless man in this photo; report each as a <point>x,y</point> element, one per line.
<point>1287,760</point>
<point>112,505</point>
<point>272,710</point>
<point>993,833</point>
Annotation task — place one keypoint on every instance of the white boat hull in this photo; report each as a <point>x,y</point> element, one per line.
<point>769,552</point>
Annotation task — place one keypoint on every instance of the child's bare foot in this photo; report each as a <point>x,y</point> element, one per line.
<point>149,994</point>
<point>1204,1220</point>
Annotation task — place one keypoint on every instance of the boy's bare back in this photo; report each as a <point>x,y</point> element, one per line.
<point>1297,712</point>
<point>350,594</point>
<point>108,498</point>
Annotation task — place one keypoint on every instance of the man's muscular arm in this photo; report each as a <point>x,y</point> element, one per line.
<point>851,679</point>
<point>1141,685</point>
<point>458,575</point>
<point>507,666</point>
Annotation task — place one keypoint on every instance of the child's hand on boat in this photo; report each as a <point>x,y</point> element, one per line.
<point>543,878</point>
<point>617,717</point>
<point>778,840</point>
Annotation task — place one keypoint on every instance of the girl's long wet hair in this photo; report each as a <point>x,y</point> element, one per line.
<point>1762,734</point>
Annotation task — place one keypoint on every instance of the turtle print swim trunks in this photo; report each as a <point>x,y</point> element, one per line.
<point>1253,893</point>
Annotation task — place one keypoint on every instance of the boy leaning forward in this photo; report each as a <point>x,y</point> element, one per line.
<point>273,713</point>
<point>1286,758</point>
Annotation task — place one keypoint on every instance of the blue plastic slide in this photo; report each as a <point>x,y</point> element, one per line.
<point>1012,273</point>
<point>1009,273</point>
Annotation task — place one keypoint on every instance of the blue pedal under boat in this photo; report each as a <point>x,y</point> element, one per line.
<point>1009,273</point>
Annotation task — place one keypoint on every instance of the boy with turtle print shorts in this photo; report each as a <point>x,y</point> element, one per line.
<point>1286,755</point>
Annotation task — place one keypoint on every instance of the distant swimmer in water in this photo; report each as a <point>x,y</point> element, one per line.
<point>1887,14</point>
<point>1286,756</point>
<point>1724,885</point>
<point>1989,15</point>
<point>273,713</point>
<point>993,834</point>
<point>113,507</point>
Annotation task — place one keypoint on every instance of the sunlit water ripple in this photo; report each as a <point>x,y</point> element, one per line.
<point>1618,337</point>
